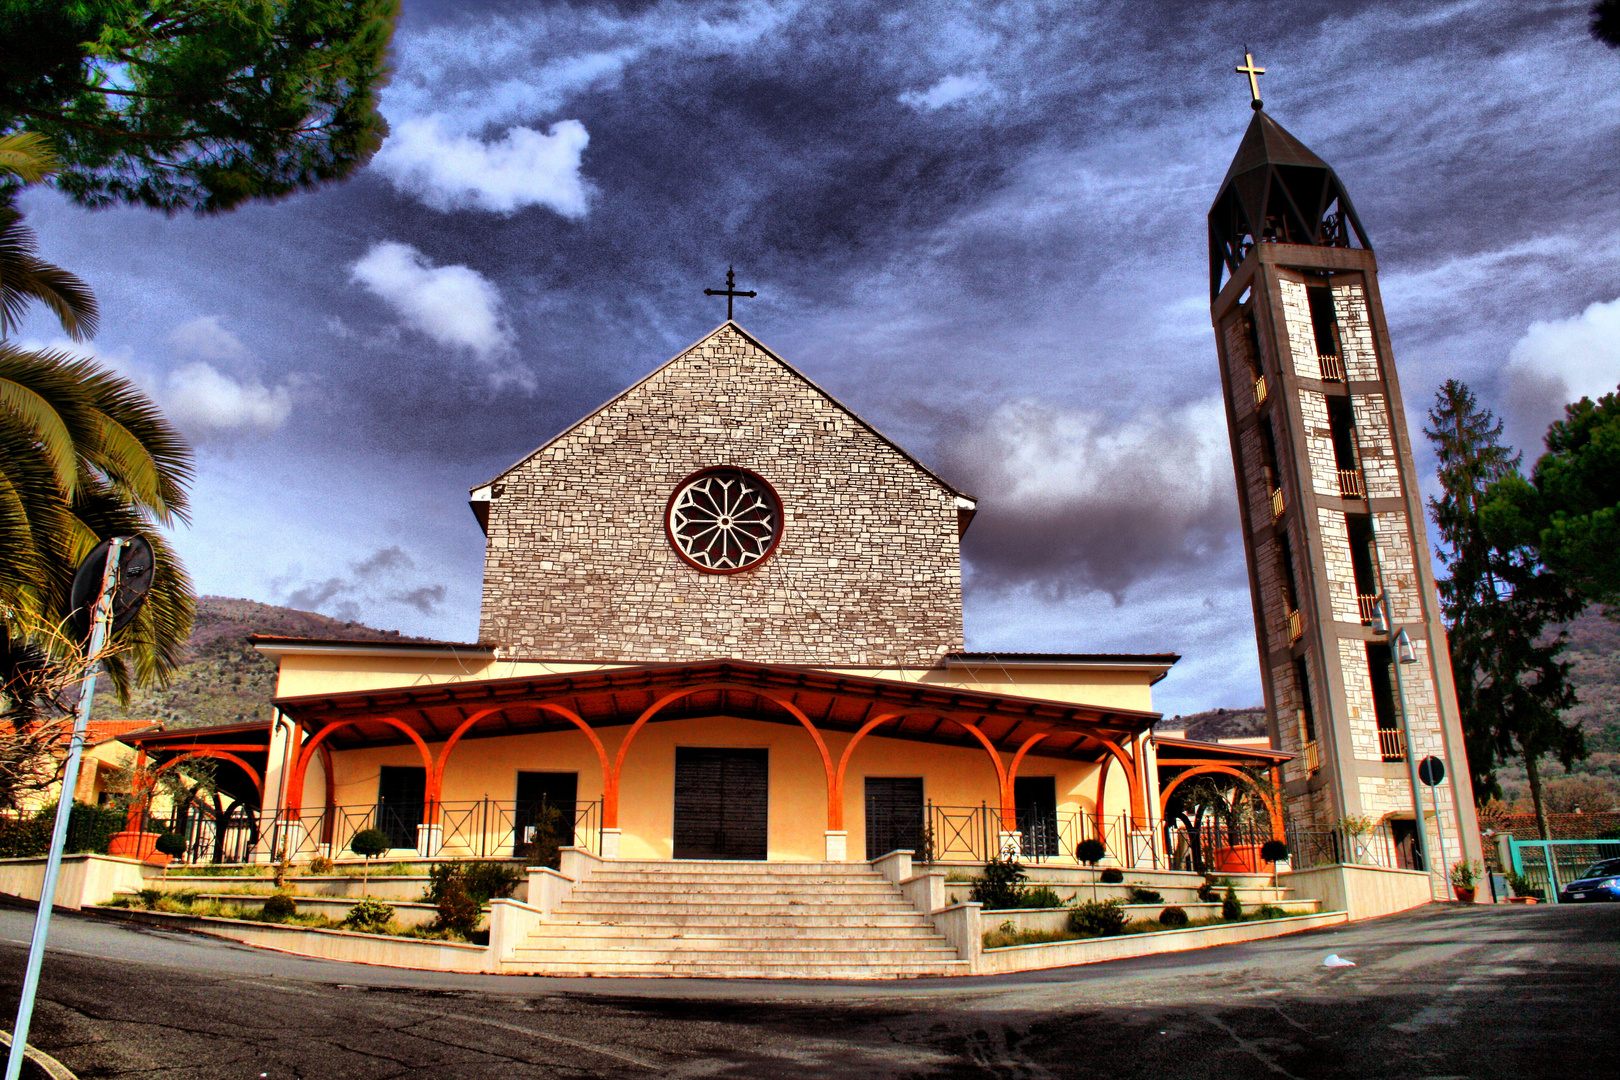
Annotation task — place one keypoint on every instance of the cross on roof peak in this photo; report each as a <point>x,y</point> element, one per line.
<point>1254,74</point>
<point>730,291</point>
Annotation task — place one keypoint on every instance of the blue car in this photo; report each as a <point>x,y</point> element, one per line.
<point>1600,884</point>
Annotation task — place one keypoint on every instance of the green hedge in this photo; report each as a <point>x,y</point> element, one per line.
<point>90,828</point>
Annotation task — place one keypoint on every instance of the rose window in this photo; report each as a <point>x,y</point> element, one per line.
<point>724,520</point>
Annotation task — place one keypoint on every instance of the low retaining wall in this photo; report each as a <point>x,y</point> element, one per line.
<point>83,881</point>
<point>342,945</point>
<point>1365,892</point>
<point>337,909</point>
<point>1092,950</point>
<point>1058,918</point>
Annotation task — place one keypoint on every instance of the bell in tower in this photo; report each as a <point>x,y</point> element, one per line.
<point>1353,655</point>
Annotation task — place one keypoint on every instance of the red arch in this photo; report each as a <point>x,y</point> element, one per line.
<point>1006,776</point>
<point>223,755</point>
<point>610,794</point>
<point>295,792</point>
<point>1272,809</point>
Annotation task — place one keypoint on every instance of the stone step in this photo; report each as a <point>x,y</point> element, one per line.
<point>738,878</point>
<point>732,866</point>
<point>618,953</point>
<point>735,908</point>
<point>656,894</point>
<point>681,968</point>
<point>566,915</point>
<point>920,930</point>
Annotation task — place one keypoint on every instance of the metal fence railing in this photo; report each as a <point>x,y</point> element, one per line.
<point>1549,865</point>
<point>974,833</point>
<point>484,829</point>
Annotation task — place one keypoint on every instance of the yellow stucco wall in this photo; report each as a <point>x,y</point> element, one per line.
<point>488,768</point>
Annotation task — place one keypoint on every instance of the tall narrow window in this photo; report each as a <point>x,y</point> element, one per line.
<point>1326,328</point>
<point>1381,673</point>
<point>1269,467</point>
<point>1362,553</point>
<point>1290,588</point>
<point>1307,715</point>
<point>1342,424</point>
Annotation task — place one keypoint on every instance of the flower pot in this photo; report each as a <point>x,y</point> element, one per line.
<point>1240,859</point>
<point>1523,900</point>
<point>1464,895</point>
<point>137,845</point>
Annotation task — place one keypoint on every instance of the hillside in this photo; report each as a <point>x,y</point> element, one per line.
<point>1216,724</point>
<point>223,679</point>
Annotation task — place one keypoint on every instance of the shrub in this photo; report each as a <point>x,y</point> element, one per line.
<point>1042,897</point>
<point>1136,894</point>
<point>171,844</point>
<point>546,850</point>
<point>369,843</point>
<point>483,881</point>
<point>1113,876</point>
<point>1273,851</point>
<point>1090,852</point>
<point>458,911</point>
<point>1231,910</point>
<point>278,908</point>
<point>1101,918</point>
<point>1001,886</point>
<point>90,828</point>
<point>320,864</point>
<point>1522,886</point>
<point>1172,916</point>
<point>1209,891</point>
<point>1268,911</point>
<point>369,916</point>
<point>150,897</point>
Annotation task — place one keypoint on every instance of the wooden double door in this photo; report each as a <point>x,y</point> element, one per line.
<point>722,800</point>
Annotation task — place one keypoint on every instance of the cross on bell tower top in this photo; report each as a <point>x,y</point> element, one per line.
<point>730,291</point>
<point>1254,74</point>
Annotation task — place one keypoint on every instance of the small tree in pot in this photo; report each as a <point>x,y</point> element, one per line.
<point>368,844</point>
<point>1091,852</point>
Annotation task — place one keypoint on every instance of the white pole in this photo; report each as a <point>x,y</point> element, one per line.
<point>64,810</point>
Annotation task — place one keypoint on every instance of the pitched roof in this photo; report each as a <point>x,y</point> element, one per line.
<point>99,731</point>
<point>1269,143</point>
<point>795,372</point>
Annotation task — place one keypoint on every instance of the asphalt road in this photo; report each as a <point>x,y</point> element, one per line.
<point>1447,991</point>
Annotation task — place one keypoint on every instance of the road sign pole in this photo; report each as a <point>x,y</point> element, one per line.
<point>64,811</point>
<point>1439,828</point>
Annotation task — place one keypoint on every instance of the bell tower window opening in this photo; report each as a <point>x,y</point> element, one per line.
<point>1251,337</point>
<point>1325,327</point>
<point>1346,459</point>
<point>1380,673</point>
<point>1290,588</point>
<point>1362,555</point>
<point>1269,469</point>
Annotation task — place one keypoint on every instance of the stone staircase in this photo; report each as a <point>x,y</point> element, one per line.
<point>736,920</point>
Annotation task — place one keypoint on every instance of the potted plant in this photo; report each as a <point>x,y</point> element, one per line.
<point>1355,828</point>
<point>1465,878</point>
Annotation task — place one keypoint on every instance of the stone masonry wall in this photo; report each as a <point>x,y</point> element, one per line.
<point>1240,366</point>
<point>1399,574</point>
<point>1319,443</point>
<point>1358,697</point>
<point>578,564</point>
<point>1375,445</point>
<point>1341,572</point>
<point>1355,332</point>
<point>1301,335</point>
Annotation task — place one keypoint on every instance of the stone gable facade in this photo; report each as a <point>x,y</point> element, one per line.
<point>578,564</point>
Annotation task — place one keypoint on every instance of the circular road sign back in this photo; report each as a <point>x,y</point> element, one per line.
<point>1431,770</point>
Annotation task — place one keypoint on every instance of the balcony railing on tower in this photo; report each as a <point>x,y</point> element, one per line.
<point>1259,389</point>
<point>1332,367</point>
<point>1313,757</point>
<point>1369,608</point>
<point>1296,627</point>
<point>1351,484</point>
<point>1276,502</point>
<point>1392,744</point>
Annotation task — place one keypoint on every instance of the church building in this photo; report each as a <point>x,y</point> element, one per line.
<point>721,619</point>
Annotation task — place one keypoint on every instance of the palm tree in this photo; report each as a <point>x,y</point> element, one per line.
<point>83,456</point>
<point>24,277</point>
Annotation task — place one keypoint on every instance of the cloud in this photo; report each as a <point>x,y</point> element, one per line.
<point>1582,353</point>
<point>203,338</point>
<point>200,398</point>
<point>950,90</point>
<point>1075,501</point>
<point>365,587</point>
<point>453,305</point>
<point>450,171</point>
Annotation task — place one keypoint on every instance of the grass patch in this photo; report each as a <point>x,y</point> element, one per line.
<point>1008,935</point>
<point>189,902</point>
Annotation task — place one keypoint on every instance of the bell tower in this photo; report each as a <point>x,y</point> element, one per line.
<point>1353,652</point>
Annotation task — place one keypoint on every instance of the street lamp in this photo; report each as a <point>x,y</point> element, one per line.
<point>1405,654</point>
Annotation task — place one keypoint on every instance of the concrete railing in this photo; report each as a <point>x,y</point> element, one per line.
<point>1362,892</point>
<point>84,880</point>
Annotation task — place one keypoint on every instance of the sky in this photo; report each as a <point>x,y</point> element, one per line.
<point>981,226</point>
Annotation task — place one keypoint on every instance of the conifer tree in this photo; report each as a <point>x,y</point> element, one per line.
<point>1498,598</point>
